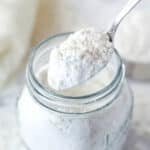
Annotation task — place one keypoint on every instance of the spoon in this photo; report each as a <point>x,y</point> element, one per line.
<point>75,69</point>
<point>124,12</point>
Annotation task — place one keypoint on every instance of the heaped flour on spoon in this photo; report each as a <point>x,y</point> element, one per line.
<point>78,58</point>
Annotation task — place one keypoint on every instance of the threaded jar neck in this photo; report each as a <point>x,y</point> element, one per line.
<point>70,104</point>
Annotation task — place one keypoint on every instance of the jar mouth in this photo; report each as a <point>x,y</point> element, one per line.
<point>48,94</point>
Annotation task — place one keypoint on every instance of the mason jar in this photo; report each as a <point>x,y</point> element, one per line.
<point>93,117</point>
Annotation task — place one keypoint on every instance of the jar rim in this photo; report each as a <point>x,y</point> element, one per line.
<point>50,93</point>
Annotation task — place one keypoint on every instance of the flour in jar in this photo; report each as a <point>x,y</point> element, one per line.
<point>78,58</point>
<point>75,118</point>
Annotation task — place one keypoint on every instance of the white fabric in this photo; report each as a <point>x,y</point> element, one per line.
<point>16,23</point>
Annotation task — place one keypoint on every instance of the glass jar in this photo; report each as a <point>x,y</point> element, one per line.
<point>95,120</point>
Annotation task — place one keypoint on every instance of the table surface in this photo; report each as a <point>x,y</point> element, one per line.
<point>138,138</point>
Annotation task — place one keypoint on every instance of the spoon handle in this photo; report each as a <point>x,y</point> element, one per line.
<point>124,12</point>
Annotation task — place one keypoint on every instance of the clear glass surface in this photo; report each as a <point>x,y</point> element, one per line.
<point>50,120</point>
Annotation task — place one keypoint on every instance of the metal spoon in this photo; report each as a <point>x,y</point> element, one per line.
<point>124,12</point>
<point>60,76</point>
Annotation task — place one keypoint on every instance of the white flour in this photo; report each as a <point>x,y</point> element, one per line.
<point>44,129</point>
<point>78,58</point>
<point>99,81</point>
